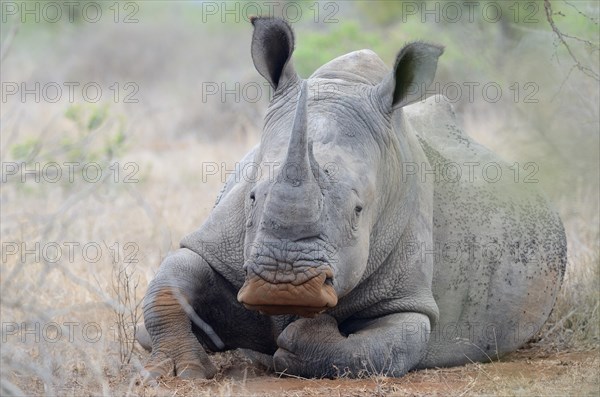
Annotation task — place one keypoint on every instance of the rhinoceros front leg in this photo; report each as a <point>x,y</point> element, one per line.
<point>168,320</point>
<point>391,345</point>
<point>190,306</point>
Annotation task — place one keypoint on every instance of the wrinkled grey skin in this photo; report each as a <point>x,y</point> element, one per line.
<point>408,270</point>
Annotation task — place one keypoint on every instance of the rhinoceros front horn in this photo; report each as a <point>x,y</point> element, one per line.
<point>295,199</point>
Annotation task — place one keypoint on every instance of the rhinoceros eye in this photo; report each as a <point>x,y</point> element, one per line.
<point>251,208</point>
<point>354,222</point>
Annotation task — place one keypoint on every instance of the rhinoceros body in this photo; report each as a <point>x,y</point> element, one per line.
<point>371,236</point>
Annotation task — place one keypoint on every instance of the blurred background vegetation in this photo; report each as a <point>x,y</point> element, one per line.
<point>171,52</point>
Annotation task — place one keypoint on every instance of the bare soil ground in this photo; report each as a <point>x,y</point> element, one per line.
<point>527,372</point>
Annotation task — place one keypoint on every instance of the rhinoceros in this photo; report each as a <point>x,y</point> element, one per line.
<point>365,239</point>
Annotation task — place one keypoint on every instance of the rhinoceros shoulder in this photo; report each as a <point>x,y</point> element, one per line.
<point>435,124</point>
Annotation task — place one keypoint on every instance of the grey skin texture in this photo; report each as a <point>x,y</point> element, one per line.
<point>343,251</point>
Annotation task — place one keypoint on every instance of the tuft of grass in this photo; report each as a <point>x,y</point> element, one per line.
<point>126,307</point>
<point>575,320</point>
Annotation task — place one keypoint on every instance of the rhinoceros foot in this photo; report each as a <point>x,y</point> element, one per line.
<point>191,364</point>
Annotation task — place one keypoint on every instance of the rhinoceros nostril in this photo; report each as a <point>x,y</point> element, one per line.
<point>328,277</point>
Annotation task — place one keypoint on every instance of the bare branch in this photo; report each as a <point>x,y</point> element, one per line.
<point>561,37</point>
<point>127,308</point>
<point>593,20</point>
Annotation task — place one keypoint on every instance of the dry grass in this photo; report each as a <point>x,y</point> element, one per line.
<point>575,320</point>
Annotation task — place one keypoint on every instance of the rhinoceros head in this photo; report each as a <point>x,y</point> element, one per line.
<point>324,173</point>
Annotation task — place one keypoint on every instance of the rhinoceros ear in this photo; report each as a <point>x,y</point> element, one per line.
<point>413,73</point>
<point>272,47</point>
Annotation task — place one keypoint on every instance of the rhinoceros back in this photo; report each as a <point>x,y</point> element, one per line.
<point>499,249</point>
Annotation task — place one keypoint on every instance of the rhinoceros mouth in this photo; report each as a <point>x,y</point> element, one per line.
<point>307,299</point>
<point>276,310</point>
